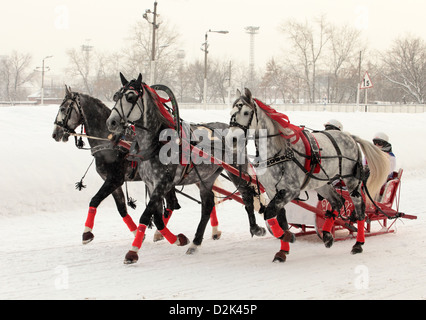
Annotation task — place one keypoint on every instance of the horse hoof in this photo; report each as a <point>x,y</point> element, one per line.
<point>280,256</point>
<point>327,238</point>
<point>257,231</point>
<point>217,235</point>
<point>88,237</point>
<point>357,248</point>
<point>182,240</point>
<point>131,257</point>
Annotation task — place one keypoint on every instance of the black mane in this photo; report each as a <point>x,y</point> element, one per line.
<point>95,114</point>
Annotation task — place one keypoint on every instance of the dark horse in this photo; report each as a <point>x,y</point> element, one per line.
<point>140,105</point>
<point>111,163</point>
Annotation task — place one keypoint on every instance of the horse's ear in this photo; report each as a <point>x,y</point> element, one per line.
<point>123,80</point>
<point>238,93</point>
<point>67,91</point>
<point>247,93</point>
<point>139,80</point>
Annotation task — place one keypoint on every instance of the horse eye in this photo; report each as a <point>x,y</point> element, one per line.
<point>246,113</point>
<point>62,109</point>
<point>116,97</point>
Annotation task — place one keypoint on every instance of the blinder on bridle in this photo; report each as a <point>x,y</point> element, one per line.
<point>130,97</point>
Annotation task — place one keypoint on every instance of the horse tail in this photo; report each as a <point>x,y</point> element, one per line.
<point>378,163</point>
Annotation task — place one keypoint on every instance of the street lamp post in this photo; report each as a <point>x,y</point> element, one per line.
<point>205,49</point>
<point>42,79</point>
<point>155,26</point>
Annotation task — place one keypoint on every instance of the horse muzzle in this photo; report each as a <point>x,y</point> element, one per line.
<point>60,134</point>
<point>114,125</point>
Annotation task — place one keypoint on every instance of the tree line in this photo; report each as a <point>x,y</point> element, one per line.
<point>322,63</point>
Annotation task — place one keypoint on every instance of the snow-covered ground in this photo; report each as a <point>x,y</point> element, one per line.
<point>42,218</point>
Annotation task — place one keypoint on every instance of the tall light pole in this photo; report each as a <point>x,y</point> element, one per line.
<point>42,79</point>
<point>205,49</point>
<point>155,26</point>
<point>252,31</point>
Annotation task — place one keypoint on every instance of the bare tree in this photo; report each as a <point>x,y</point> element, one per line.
<point>15,72</point>
<point>277,78</point>
<point>81,65</point>
<point>308,42</point>
<point>138,52</point>
<point>405,66</point>
<point>345,44</point>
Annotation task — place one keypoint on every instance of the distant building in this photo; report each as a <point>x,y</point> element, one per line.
<point>52,95</point>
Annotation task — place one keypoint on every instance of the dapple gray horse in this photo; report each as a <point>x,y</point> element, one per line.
<point>138,104</point>
<point>338,158</point>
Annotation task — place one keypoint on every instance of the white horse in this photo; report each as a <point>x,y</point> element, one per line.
<point>298,160</point>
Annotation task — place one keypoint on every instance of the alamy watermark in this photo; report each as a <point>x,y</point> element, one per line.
<point>362,280</point>
<point>62,17</point>
<point>216,146</point>
<point>62,278</point>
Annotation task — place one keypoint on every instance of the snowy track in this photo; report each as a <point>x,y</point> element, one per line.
<point>42,217</point>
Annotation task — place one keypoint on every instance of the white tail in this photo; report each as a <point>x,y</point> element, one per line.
<point>379,166</point>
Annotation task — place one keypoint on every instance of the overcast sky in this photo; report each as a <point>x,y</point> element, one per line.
<point>50,27</point>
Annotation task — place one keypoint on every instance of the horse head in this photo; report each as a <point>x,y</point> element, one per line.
<point>69,116</point>
<point>242,114</point>
<point>243,111</point>
<point>128,106</point>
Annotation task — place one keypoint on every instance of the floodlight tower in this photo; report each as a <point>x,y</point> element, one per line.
<point>252,31</point>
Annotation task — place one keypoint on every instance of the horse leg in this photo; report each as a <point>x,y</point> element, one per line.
<point>122,209</point>
<point>248,194</point>
<point>336,201</point>
<point>172,204</point>
<point>360,237</point>
<point>275,216</point>
<point>153,209</point>
<point>207,205</point>
<point>216,233</point>
<point>109,186</point>
<point>358,214</point>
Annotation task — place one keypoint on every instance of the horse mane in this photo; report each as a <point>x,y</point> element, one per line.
<point>162,114</point>
<point>281,122</point>
<point>95,112</point>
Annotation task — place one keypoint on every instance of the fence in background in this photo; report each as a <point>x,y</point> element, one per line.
<point>391,108</point>
<point>396,108</point>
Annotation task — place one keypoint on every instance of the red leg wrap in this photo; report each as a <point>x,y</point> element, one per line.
<point>90,221</point>
<point>329,223</point>
<point>213,218</point>
<point>129,222</point>
<point>168,235</point>
<point>139,236</point>
<point>275,227</point>
<point>285,246</point>
<point>360,236</point>
<point>169,215</point>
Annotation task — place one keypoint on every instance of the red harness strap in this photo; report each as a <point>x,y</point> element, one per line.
<point>308,148</point>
